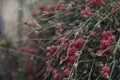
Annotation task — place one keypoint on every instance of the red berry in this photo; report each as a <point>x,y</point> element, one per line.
<point>41,7</point>
<point>87,1</point>
<point>88,11</point>
<point>33,14</point>
<point>68,13</point>
<point>71,59</point>
<point>86,49</point>
<point>82,13</point>
<point>22,49</point>
<point>70,64</point>
<point>62,6</point>
<point>113,11</point>
<point>72,50</point>
<point>54,48</point>
<point>48,55</point>
<point>118,4</point>
<point>106,69</point>
<point>31,51</point>
<point>66,72</point>
<point>107,43</point>
<point>98,27</point>
<point>98,3</point>
<point>61,39</point>
<point>57,76</point>
<point>79,43</point>
<point>109,33</point>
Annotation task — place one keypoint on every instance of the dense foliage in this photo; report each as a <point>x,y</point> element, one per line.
<point>75,40</point>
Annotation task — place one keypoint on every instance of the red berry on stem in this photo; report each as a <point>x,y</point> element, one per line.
<point>71,59</point>
<point>62,6</point>
<point>22,49</point>
<point>41,7</point>
<point>79,43</point>
<point>57,76</point>
<point>106,69</point>
<point>98,3</point>
<point>66,72</point>
<point>33,14</point>
<point>31,51</point>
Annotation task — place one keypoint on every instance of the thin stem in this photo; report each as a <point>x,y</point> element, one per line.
<point>114,53</point>
<point>89,77</point>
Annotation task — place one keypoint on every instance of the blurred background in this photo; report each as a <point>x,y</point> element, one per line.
<point>14,12</point>
<point>12,15</point>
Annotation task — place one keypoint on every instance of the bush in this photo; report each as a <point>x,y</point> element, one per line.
<point>75,40</point>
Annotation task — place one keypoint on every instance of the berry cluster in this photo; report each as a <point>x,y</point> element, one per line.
<point>77,40</point>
